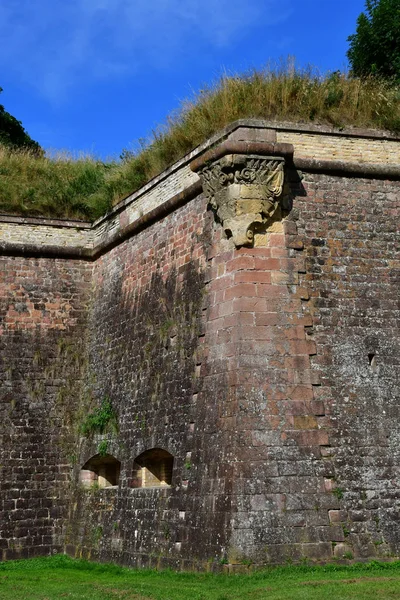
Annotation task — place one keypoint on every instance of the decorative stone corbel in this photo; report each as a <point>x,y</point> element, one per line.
<point>243,189</point>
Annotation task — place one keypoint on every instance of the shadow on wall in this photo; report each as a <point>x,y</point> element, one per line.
<point>153,468</point>
<point>101,470</point>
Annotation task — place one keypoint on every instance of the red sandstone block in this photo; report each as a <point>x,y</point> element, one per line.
<point>314,437</point>
<point>282,278</point>
<point>279,252</point>
<point>264,251</point>
<point>220,283</point>
<point>212,273</point>
<point>216,298</point>
<point>254,333</point>
<point>251,361</point>
<point>250,305</point>
<point>224,336</point>
<point>239,318</point>
<point>277,240</point>
<point>323,393</point>
<point>290,227</point>
<point>220,310</point>
<point>266,264</point>
<point>274,422</point>
<point>300,393</point>
<point>337,516</point>
<point>297,362</point>
<point>305,484</point>
<point>318,407</point>
<point>214,324</point>
<point>232,363</point>
<point>326,422</point>
<point>267,319</point>
<point>257,347</point>
<point>220,270</point>
<point>300,264</point>
<point>244,377</point>
<point>288,264</point>
<point>265,290</point>
<point>329,484</point>
<point>223,257</point>
<point>295,332</point>
<point>214,249</point>
<point>252,277</point>
<point>242,290</point>
<point>221,351</point>
<point>303,347</point>
<point>240,262</point>
<point>307,376</point>
<point>301,292</point>
<point>295,242</point>
<point>293,408</point>
<point>288,306</point>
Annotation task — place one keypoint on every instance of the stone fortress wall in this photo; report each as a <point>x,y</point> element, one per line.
<point>241,314</point>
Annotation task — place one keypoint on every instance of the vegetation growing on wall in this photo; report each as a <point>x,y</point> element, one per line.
<point>101,420</point>
<point>86,188</point>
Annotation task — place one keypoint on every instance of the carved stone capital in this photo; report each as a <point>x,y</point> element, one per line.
<point>245,191</point>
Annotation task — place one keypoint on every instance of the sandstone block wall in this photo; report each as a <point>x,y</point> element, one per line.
<point>264,362</point>
<point>43,314</point>
<point>350,230</point>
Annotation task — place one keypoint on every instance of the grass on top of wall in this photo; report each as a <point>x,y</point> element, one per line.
<point>86,188</point>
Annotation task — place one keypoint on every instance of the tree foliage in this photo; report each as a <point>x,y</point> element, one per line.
<point>12,133</point>
<point>375,47</point>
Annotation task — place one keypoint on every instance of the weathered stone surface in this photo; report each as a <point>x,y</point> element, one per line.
<point>270,373</point>
<point>244,191</point>
<point>43,316</point>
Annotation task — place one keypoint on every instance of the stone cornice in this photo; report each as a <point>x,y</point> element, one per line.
<point>22,220</point>
<point>348,168</point>
<point>45,251</point>
<point>315,128</point>
<point>241,147</point>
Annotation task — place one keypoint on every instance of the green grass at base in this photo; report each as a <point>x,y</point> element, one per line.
<point>62,577</point>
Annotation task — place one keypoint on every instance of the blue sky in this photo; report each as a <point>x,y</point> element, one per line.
<point>95,75</point>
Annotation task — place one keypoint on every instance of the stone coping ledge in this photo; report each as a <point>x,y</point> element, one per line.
<point>349,169</point>
<point>241,147</point>
<point>357,132</point>
<point>45,251</point>
<point>22,220</point>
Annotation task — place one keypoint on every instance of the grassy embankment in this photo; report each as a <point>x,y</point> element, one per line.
<point>86,188</point>
<point>62,577</point>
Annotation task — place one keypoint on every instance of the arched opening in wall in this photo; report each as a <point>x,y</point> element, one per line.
<point>153,468</point>
<point>100,470</point>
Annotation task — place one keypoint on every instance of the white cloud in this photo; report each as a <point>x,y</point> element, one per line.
<point>57,44</point>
